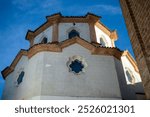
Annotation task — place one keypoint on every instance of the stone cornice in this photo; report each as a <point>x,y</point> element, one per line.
<point>132,61</point>
<point>43,47</point>
<point>58,47</point>
<point>112,34</point>
<point>88,18</point>
<point>10,69</point>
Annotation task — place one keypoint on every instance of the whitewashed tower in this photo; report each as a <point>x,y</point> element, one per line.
<point>72,58</point>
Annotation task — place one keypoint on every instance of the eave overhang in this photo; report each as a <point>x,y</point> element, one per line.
<point>131,59</point>
<point>58,47</point>
<point>88,18</point>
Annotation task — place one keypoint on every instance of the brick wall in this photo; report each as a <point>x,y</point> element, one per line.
<point>137,18</point>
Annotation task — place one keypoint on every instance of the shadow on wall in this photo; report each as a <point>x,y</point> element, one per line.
<point>137,91</point>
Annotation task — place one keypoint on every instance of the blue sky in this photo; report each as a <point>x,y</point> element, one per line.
<point>17,16</point>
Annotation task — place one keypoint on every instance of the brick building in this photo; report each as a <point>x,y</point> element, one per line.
<point>137,18</point>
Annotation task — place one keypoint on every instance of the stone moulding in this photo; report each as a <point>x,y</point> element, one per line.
<point>58,47</point>
<point>88,18</point>
<point>130,58</point>
<point>81,60</point>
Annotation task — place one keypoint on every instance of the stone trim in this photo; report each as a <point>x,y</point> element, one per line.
<point>43,47</point>
<point>79,58</point>
<point>32,34</point>
<point>79,41</point>
<point>130,58</point>
<point>55,32</point>
<point>31,42</point>
<point>112,34</point>
<point>76,20</point>
<point>112,43</point>
<point>58,47</point>
<point>10,69</point>
<point>88,18</point>
<point>92,32</point>
<point>108,51</point>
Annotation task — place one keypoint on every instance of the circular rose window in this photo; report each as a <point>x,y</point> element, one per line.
<point>76,64</point>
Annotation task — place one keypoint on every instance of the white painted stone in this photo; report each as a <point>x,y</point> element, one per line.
<point>98,82</point>
<point>82,28</point>
<point>46,33</point>
<point>47,75</point>
<point>127,63</point>
<point>100,33</point>
<point>138,82</point>
<point>11,90</point>
<point>92,83</point>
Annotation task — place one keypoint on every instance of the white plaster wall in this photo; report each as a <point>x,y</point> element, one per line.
<point>11,90</point>
<point>32,80</point>
<point>127,91</point>
<point>100,33</point>
<point>82,28</point>
<point>138,83</point>
<point>34,72</point>
<point>46,33</point>
<point>99,80</point>
<point>127,63</point>
<point>47,76</point>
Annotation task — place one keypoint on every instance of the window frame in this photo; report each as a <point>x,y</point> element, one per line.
<point>102,39</point>
<point>130,73</point>
<point>74,33</point>
<point>20,77</point>
<point>43,40</point>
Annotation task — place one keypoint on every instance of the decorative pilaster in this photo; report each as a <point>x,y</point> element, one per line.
<point>31,42</point>
<point>92,19</point>
<point>92,32</point>
<point>55,32</point>
<point>30,36</point>
<point>112,43</point>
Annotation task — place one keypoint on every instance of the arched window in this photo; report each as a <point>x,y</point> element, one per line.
<point>73,33</point>
<point>20,78</point>
<point>103,42</point>
<point>130,76</point>
<point>44,40</point>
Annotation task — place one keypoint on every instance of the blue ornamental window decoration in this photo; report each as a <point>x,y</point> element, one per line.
<point>77,64</point>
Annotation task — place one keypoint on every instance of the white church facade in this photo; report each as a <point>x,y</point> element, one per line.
<point>72,58</point>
